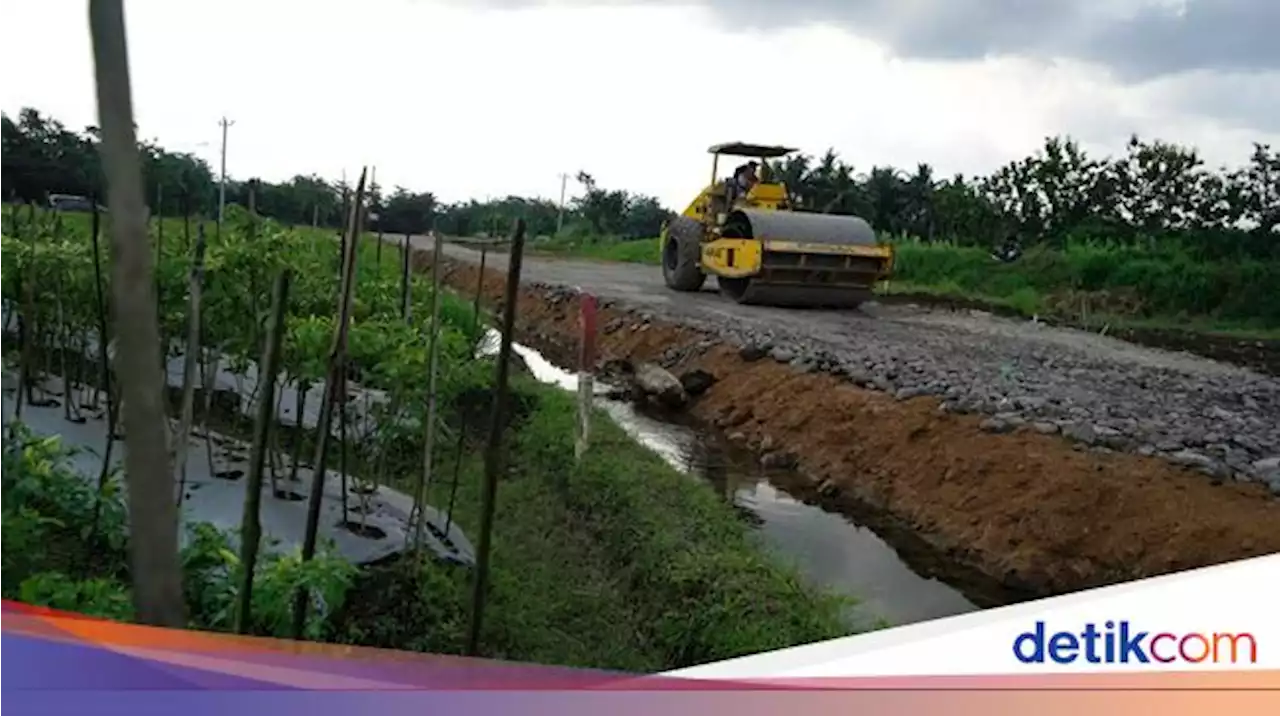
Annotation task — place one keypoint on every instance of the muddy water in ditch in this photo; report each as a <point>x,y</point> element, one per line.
<point>829,549</point>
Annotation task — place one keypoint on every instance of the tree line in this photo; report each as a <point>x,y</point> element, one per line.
<point>41,156</point>
<point>1155,192</point>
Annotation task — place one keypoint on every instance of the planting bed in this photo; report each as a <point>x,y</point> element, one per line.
<point>618,561</point>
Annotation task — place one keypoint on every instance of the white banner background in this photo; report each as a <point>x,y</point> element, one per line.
<point>1240,597</point>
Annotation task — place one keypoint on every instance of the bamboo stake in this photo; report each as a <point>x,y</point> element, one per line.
<point>429,437</point>
<point>104,363</point>
<point>64,340</point>
<point>493,452</point>
<point>250,525</point>
<point>337,364</point>
<point>405,296</point>
<point>462,432</point>
<point>195,286</point>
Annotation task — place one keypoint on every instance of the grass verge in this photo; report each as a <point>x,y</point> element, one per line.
<point>618,562</point>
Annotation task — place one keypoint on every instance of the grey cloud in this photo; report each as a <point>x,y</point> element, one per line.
<point>1138,39</point>
<point>1237,101</point>
<point>1229,35</point>
<point>1218,59</point>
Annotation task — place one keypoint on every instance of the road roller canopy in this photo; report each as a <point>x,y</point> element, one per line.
<point>742,149</point>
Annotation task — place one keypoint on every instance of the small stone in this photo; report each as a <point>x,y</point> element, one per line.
<point>1045,428</point>
<point>753,353</point>
<point>1216,470</point>
<point>910,392</point>
<point>1267,465</point>
<point>1191,458</point>
<point>1080,432</point>
<point>1030,402</point>
<point>995,425</point>
<point>827,488</point>
<point>854,374</point>
<point>783,355</point>
<point>737,437</point>
<point>696,381</point>
<point>1110,437</point>
<point>766,443</point>
<point>803,365</point>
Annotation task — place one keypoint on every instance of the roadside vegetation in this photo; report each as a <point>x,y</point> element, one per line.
<point>1152,236</point>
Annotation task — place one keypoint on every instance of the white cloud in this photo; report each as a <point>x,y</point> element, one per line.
<point>469,103</point>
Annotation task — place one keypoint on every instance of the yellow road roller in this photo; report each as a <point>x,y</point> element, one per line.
<point>763,251</point>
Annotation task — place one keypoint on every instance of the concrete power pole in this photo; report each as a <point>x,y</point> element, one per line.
<point>564,180</point>
<point>222,183</point>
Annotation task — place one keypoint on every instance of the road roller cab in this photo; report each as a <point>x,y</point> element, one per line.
<point>761,250</point>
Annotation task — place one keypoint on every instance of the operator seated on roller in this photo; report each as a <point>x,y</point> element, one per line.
<point>744,177</point>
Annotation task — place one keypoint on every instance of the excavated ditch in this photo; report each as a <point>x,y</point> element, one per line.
<point>838,547</point>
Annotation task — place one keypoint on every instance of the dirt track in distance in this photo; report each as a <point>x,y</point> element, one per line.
<point>954,423</point>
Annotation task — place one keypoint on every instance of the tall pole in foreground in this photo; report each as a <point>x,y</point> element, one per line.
<point>222,182</point>
<point>153,515</point>
<point>493,451</point>
<point>564,180</point>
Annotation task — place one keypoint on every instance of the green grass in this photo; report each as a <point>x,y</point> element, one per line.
<point>1092,281</point>
<point>619,562</point>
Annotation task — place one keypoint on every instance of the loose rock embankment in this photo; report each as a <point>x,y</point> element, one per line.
<point>1002,493</point>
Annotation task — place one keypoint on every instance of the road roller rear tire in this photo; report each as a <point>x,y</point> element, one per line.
<point>682,256</point>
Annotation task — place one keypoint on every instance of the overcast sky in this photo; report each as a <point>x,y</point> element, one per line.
<point>475,98</point>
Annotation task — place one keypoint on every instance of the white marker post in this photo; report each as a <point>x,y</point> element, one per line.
<point>586,365</point>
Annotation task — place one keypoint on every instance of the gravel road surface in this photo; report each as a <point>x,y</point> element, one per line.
<point>1104,394</point>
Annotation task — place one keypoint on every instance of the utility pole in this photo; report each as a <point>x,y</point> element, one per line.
<point>564,180</point>
<point>222,183</point>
